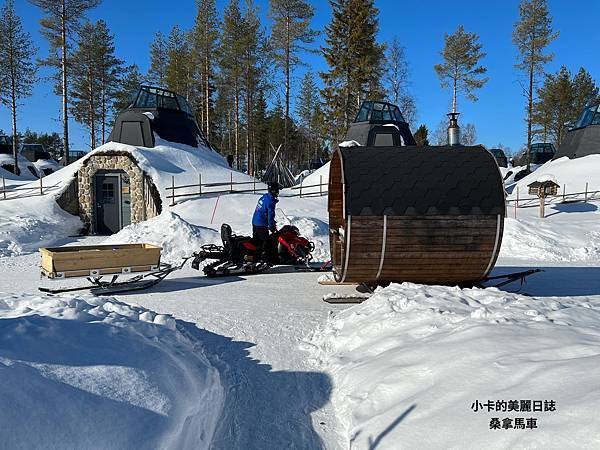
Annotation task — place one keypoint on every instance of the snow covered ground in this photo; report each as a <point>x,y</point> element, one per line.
<point>87,372</point>
<point>410,364</point>
<point>286,370</point>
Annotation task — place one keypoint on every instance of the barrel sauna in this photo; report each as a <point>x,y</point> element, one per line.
<point>432,215</point>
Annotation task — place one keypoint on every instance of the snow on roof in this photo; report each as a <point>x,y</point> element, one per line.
<point>161,163</point>
<point>351,143</point>
<point>570,174</point>
<point>546,177</point>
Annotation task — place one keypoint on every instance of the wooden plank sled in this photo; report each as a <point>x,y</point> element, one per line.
<point>95,262</point>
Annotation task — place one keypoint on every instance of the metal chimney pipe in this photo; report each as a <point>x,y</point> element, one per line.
<point>453,129</point>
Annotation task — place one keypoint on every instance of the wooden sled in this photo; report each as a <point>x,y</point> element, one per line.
<point>94,262</point>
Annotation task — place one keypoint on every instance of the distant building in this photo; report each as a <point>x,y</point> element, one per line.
<point>584,138</point>
<point>540,153</point>
<point>500,156</point>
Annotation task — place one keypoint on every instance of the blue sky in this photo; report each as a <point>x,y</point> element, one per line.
<point>420,26</point>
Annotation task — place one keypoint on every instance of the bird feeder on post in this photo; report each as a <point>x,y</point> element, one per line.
<point>543,188</point>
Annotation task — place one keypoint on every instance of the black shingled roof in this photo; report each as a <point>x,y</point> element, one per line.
<point>404,181</point>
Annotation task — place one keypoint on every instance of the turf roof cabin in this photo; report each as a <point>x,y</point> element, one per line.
<point>109,191</point>
<point>113,186</point>
<point>406,213</point>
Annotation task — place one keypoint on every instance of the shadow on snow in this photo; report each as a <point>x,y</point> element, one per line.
<point>555,281</point>
<point>264,408</point>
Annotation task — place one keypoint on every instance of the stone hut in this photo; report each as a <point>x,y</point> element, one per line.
<point>109,191</point>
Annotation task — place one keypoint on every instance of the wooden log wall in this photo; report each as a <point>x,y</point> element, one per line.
<point>421,249</point>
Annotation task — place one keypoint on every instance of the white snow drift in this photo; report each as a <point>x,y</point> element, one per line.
<point>409,363</point>
<point>175,236</point>
<point>87,373</point>
<point>29,223</point>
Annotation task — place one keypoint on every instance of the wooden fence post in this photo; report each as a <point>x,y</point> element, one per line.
<point>542,204</point>
<point>320,185</point>
<point>564,190</point>
<point>41,185</point>
<point>586,191</point>
<point>517,198</point>
<point>173,190</point>
<point>254,185</point>
<point>4,187</point>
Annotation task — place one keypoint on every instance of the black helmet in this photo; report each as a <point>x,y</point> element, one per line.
<point>273,187</point>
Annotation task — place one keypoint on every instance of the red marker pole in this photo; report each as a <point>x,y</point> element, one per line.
<point>215,209</point>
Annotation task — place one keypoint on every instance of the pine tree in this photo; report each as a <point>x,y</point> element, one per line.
<point>177,76</point>
<point>261,132</point>
<point>159,60</point>
<point>108,69</point>
<point>59,26</point>
<point>355,61</point>
<point>365,53</point>
<point>128,84</point>
<point>585,92</point>
<point>85,92</point>
<point>559,102</point>
<point>252,43</point>
<point>231,64</point>
<point>462,54</point>
<point>420,135</point>
<point>290,34</point>
<point>532,34</point>
<point>95,80</point>
<point>205,42</point>
<point>51,141</point>
<point>307,111</point>
<point>17,71</point>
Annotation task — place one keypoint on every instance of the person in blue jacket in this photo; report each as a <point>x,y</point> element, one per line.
<point>263,219</point>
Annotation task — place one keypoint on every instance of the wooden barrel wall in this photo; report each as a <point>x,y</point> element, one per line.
<point>420,214</point>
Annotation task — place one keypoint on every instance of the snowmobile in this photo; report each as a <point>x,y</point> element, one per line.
<point>245,255</point>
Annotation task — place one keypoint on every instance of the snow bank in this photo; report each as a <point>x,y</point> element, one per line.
<point>571,173</point>
<point>10,179</point>
<point>321,175</point>
<point>175,236</point>
<point>409,363</point>
<point>29,223</point>
<point>552,241</point>
<point>88,372</point>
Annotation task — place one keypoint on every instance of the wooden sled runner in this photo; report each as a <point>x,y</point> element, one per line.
<point>95,262</point>
<point>499,280</point>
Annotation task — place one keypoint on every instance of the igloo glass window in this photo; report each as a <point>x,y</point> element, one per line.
<point>376,112</point>
<point>151,98</point>
<point>590,116</point>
